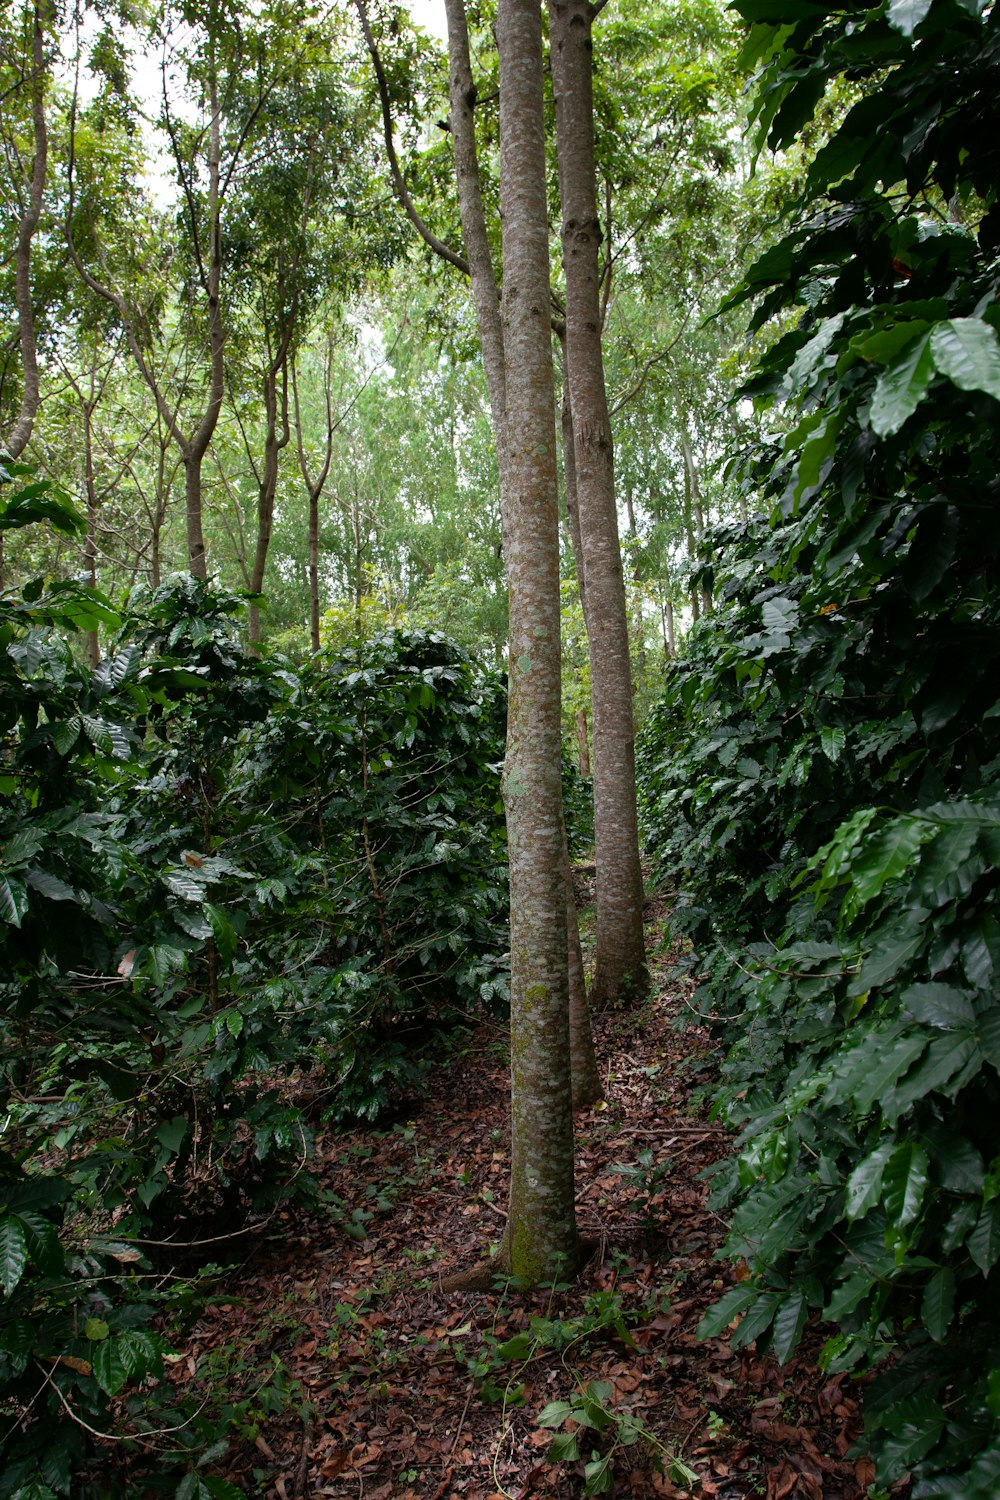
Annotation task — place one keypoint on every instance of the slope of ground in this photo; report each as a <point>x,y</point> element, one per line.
<point>354,1373</point>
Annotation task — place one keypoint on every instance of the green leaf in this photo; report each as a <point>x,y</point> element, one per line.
<point>223,931</point>
<point>983,1243</point>
<point>96,1330</point>
<point>171,1133</point>
<point>519,1347</point>
<point>598,1478</point>
<point>968,352</point>
<point>221,1489</point>
<point>110,1370</point>
<point>13,900</point>
<point>722,1313</point>
<point>832,742</point>
<point>563,1448</point>
<point>554,1414</point>
<point>988,1035</point>
<point>13,1252</point>
<point>906,15</point>
<point>938,1304</point>
<point>865,1182</point>
<point>905,1182</point>
<point>789,1321</point>
<point>886,1068</point>
<point>938,1005</point>
<point>900,389</point>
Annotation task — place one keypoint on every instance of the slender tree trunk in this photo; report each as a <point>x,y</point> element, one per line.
<point>486,299</point>
<point>275,439</point>
<point>314,641</point>
<point>17,438</point>
<point>90,538</point>
<point>669,642</point>
<point>693,491</point>
<point>621,955</point>
<point>541,1229</point>
<point>569,475</point>
<point>585,1077</point>
<point>582,742</point>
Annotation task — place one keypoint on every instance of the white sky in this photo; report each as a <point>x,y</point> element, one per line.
<point>430,15</point>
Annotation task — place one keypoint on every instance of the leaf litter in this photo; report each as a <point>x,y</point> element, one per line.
<point>356,1373</point>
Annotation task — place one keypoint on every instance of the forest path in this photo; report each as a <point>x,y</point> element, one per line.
<point>362,1378</point>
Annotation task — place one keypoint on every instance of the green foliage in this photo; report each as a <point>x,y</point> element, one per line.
<point>821,777</point>
<point>215,875</point>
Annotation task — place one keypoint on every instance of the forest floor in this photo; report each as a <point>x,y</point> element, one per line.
<point>353,1373</point>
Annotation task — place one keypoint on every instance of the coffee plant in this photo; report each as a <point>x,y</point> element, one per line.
<point>822,777</point>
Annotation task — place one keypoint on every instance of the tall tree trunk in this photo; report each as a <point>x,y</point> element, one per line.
<point>17,438</point>
<point>569,475</point>
<point>541,1231</point>
<point>582,742</point>
<point>315,484</point>
<point>276,438</point>
<point>693,490</point>
<point>90,538</point>
<point>620,956</point>
<point>314,641</point>
<point>486,299</point>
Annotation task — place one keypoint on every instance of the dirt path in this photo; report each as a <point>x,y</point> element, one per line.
<point>355,1375</point>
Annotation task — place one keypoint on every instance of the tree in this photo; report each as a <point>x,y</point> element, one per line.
<point>541,1228</point>
<point>620,963</point>
<point>28,70</point>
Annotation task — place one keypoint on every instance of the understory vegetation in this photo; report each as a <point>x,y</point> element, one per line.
<point>821,778</point>
<point>228,887</point>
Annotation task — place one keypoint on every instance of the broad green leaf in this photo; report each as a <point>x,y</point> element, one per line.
<point>519,1347</point>
<point>13,900</point>
<point>888,1065</point>
<point>722,1313</point>
<point>938,1005</point>
<point>881,348</point>
<point>223,931</point>
<point>944,1064</point>
<point>988,1036</point>
<point>96,1330</point>
<point>905,1182</point>
<point>968,352</point>
<point>65,735</point>
<point>938,1304</point>
<point>789,1321</point>
<point>563,1448</point>
<point>171,1133</point>
<point>598,1478</point>
<point>984,1242</point>
<point>906,15</point>
<point>554,1414</point>
<point>13,1252</point>
<point>865,1182</point>
<point>42,1239</point>
<point>221,1489</point>
<point>901,388</point>
<point>110,1371</point>
<point>832,741</point>
<point>51,886</point>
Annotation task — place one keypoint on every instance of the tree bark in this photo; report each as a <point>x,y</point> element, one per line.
<point>276,436</point>
<point>17,438</point>
<point>541,1233</point>
<point>620,957</point>
<point>693,492</point>
<point>486,300</point>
